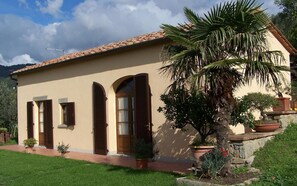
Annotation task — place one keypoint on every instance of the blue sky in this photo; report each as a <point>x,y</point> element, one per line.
<point>27,27</point>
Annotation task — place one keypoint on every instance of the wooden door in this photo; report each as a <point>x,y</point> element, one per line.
<point>143,108</point>
<point>99,119</point>
<point>48,125</point>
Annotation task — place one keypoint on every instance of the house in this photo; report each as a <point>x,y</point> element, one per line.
<point>101,99</point>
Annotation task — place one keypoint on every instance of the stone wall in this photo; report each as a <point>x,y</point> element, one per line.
<point>243,146</point>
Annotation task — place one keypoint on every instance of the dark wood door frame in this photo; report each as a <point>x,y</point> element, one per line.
<point>46,138</point>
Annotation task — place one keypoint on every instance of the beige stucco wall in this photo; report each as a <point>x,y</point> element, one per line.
<point>74,82</point>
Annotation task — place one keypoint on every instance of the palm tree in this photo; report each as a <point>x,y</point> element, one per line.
<point>219,52</point>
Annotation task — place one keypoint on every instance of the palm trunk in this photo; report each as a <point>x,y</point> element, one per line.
<point>223,118</point>
<point>224,105</point>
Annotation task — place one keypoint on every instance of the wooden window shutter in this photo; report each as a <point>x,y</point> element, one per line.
<point>70,113</point>
<point>48,124</point>
<point>30,123</point>
<point>99,119</point>
<point>142,108</point>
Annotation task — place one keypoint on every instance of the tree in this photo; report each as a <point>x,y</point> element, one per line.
<point>286,20</point>
<point>218,53</point>
<point>8,108</point>
<point>189,108</point>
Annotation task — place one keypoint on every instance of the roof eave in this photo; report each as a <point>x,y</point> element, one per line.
<point>145,43</point>
<point>282,39</point>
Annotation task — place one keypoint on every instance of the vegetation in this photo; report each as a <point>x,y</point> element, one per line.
<point>214,161</point>
<point>30,142</point>
<point>220,52</point>
<point>3,129</point>
<point>258,101</point>
<point>242,114</point>
<point>286,20</point>
<point>8,107</point>
<point>10,142</point>
<point>29,169</point>
<point>189,108</point>
<point>62,148</point>
<point>143,150</point>
<point>277,160</point>
<point>8,99</point>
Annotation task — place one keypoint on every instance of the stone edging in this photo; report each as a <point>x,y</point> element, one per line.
<point>191,182</point>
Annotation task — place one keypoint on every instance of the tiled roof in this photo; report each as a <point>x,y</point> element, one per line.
<point>97,50</point>
<point>134,41</point>
<point>282,39</point>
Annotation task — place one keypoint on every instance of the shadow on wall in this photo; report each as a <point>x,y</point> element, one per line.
<point>173,144</point>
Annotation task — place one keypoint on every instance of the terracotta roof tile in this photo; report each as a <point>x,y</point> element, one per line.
<point>97,50</point>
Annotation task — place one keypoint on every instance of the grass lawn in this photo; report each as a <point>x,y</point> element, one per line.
<point>30,169</point>
<point>278,159</point>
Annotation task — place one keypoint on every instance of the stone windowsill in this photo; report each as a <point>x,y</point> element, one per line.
<point>62,126</point>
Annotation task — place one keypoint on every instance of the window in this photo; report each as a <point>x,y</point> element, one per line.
<point>67,114</point>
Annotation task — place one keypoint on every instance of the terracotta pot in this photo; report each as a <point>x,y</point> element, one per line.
<point>199,151</point>
<point>141,163</point>
<point>267,127</point>
<point>284,104</point>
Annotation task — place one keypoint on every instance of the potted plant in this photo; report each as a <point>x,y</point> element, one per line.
<point>199,149</point>
<point>279,90</point>
<point>261,102</point>
<point>63,149</point>
<point>29,144</point>
<point>2,130</point>
<point>242,115</point>
<point>4,135</point>
<point>142,152</point>
<point>184,108</point>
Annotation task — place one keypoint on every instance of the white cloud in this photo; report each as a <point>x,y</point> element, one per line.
<point>93,23</point>
<point>21,59</point>
<point>51,7</point>
<point>110,21</point>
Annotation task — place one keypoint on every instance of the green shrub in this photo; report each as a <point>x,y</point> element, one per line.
<point>3,130</point>
<point>260,102</point>
<point>143,150</point>
<point>30,142</point>
<point>62,148</point>
<point>214,161</point>
<point>189,108</point>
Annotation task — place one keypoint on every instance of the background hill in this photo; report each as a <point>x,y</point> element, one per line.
<point>6,70</point>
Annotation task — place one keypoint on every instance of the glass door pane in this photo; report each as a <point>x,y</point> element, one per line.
<point>123,129</point>
<point>122,103</point>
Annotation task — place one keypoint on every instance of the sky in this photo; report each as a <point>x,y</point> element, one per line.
<point>32,31</point>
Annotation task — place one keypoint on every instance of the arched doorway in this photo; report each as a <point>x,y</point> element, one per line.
<point>133,112</point>
<point>99,119</point>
